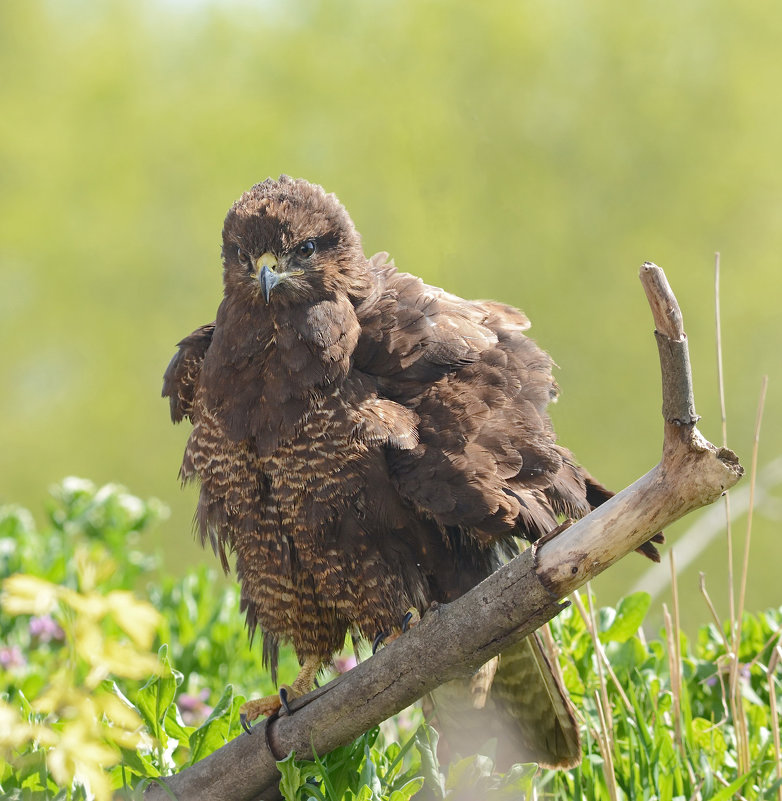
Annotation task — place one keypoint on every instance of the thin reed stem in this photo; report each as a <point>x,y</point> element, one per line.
<point>604,663</point>
<point>600,660</point>
<point>605,742</point>
<point>736,705</point>
<point>677,646</point>
<point>752,481</point>
<point>676,682</point>
<point>724,419</point>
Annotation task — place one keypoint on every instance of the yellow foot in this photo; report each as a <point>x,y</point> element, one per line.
<point>271,704</point>
<point>264,707</point>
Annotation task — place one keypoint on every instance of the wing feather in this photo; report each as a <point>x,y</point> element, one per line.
<point>181,376</point>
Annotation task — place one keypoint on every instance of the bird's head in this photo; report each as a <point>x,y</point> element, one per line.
<point>287,242</point>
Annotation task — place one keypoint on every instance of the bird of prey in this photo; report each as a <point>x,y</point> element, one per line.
<point>367,444</point>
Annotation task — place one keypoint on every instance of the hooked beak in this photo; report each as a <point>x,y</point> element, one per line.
<point>267,277</point>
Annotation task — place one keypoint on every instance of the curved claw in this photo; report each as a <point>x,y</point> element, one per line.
<point>379,637</point>
<point>406,621</point>
<point>284,700</point>
<point>245,724</point>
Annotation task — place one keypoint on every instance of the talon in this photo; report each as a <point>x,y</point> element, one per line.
<point>378,639</point>
<point>412,618</point>
<point>284,700</point>
<point>246,725</point>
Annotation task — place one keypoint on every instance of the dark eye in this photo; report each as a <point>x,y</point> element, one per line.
<point>244,258</point>
<point>307,248</point>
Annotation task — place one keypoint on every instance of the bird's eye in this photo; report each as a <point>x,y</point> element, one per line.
<point>244,258</point>
<point>307,248</point>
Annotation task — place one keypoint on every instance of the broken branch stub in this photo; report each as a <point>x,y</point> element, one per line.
<point>692,472</point>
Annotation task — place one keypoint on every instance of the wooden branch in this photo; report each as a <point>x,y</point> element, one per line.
<point>453,639</point>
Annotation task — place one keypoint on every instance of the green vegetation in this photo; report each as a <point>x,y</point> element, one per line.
<point>101,692</point>
<point>532,151</point>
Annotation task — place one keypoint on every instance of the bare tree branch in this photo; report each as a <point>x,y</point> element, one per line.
<point>453,639</point>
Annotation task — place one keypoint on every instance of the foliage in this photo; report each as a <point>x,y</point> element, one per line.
<point>662,739</point>
<point>100,693</point>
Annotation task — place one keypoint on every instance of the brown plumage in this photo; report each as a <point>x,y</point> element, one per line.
<point>366,443</point>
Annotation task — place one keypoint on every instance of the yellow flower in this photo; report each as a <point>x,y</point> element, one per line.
<point>138,619</point>
<point>28,595</point>
<point>79,755</point>
<point>89,722</point>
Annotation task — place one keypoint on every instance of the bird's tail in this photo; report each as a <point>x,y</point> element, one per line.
<point>519,703</point>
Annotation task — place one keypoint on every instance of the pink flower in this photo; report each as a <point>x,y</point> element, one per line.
<point>11,656</point>
<point>342,664</point>
<point>46,629</point>
<point>194,708</point>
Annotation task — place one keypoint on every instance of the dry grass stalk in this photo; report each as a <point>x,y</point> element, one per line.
<point>602,659</point>
<point>605,742</point>
<point>737,706</point>
<point>676,654</point>
<point>724,419</point>
<point>674,669</point>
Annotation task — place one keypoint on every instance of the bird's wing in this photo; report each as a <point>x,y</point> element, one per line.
<point>413,333</point>
<point>181,376</point>
<point>486,458</point>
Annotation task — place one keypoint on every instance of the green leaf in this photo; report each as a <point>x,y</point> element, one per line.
<point>471,772</point>
<point>327,778</point>
<point>395,754</point>
<point>516,784</point>
<point>139,763</point>
<point>626,656</point>
<point>290,777</point>
<point>709,740</point>
<point>157,695</point>
<point>213,732</point>
<point>630,614</point>
<point>368,777</point>
<point>727,793</point>
<point>365,794</point>
<point>407,790</point>
<point>31,771</point>
<point>175,727</point>
<point>665,786</point>
<point>426,742</point>
<point>706,774</point>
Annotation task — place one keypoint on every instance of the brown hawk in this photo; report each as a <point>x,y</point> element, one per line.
<point>367,444</point>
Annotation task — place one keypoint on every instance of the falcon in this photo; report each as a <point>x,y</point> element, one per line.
<point>367,444</point>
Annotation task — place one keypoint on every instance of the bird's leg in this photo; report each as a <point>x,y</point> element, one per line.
<point>271,704</point>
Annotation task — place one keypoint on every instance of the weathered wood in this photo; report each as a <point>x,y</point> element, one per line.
<point>453,639</point>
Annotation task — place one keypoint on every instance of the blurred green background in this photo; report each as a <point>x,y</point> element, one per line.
<point>533,152</point>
